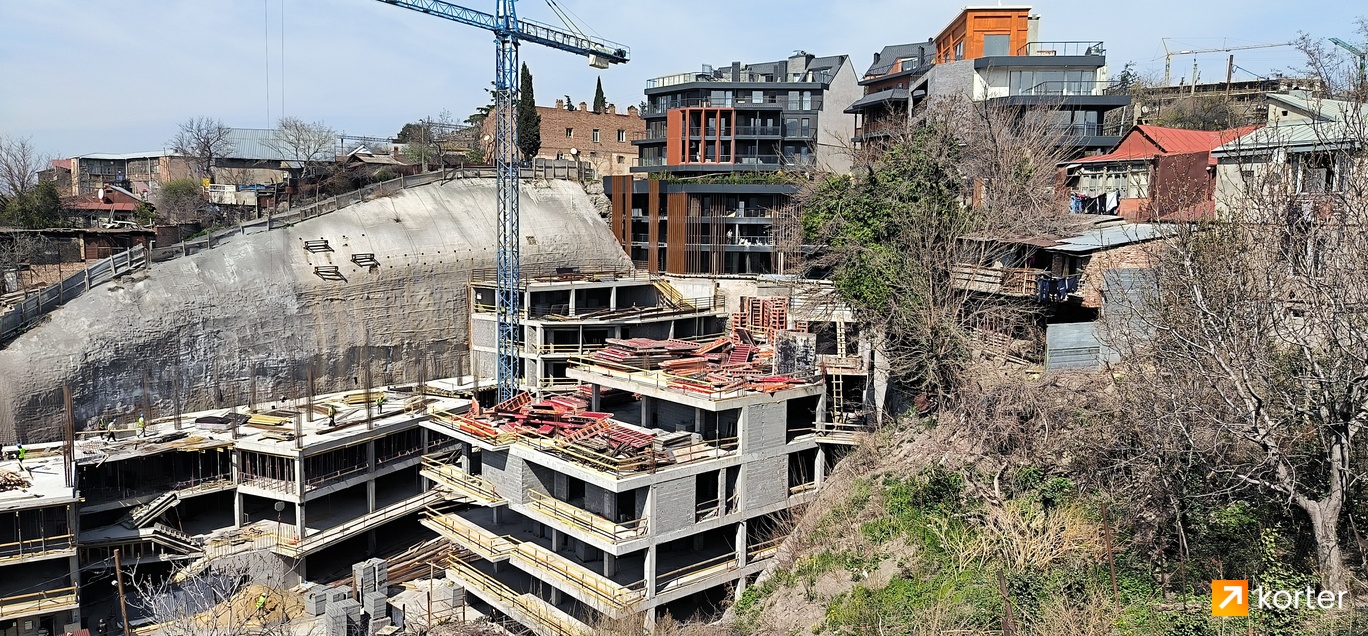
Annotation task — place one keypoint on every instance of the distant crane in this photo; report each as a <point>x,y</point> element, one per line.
<point>1360,54</point>
<point>509,31</point>
<point>1168,55</point>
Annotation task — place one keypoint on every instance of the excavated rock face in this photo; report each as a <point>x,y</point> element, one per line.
<point>251,321</point>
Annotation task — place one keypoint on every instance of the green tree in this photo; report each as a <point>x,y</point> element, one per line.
<point>36,208</point>
<point>600,102</point>
<point>180,200</point>
<point>529,120</point>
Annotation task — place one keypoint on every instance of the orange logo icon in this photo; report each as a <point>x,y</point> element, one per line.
<point>1230,598</point>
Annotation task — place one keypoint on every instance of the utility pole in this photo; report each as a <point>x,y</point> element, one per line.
<point>123,600</point>
<point>1230,73</point>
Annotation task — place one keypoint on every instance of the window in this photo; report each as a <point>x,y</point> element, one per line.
<point>622,136</point>
<point>959,50</point>
<point>596,135</point>
<point>593,154</point>
<point>619,158</point>
<point>569,133</point>
<point>999,44</point>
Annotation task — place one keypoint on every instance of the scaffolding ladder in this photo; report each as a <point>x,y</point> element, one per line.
<point>837,382</point>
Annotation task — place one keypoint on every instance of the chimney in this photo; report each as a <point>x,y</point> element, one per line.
<point>583,106</point>
<point>876,58</point>
<point>560,104</point>
<point>1033,28</point>
<point>612,109</point>
<point>632,111</point>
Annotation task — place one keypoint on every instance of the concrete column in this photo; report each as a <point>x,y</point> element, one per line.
<point>741,544</point>
<point>572,301</point>
<point>651,571</point>
<point>698,420</point>
<point>722,508</point>
<point>299,520</point>
<point>370,496</point>
<point>612,291</point>
<point>609,565</point>
<point>649,624</point>
<point>238,519</point>
<point>820,469</point>
<point>610,505</point>
<point>740,589</point>
<point>556,540</point>
<point>595,396</point>
<point>497,513</point>
<point>646,411</point>
<point>299,475</point>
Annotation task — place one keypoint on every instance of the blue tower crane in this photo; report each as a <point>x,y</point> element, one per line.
<point>509,31</point>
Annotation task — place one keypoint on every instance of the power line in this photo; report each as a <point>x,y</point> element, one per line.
<point>282,59</point>
<point>266,29</point>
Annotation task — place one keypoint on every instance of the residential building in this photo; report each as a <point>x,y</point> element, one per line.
<point>1154,174</point>
<point>39,577</point>
<point>993,54</point>
<point>141,173</point>
<point>1069,275</point>
<point>602,140</point>
<point>1307,149</point>
<point>108,206</point>
<point>714,141</point>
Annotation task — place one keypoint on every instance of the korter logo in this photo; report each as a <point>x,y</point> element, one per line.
<point>1232,598</point>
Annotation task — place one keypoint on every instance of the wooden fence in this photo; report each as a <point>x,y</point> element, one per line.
<point>26,313</point>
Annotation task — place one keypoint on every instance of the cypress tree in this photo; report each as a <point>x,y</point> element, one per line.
<point>600,102</point>
<point>529,120</point>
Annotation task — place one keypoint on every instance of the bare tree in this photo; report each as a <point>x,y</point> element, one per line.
<point>220,599</point>
<point>202,140</point>
<point>19,165</point>
<point>303,141</point>
<point>1247,348</point>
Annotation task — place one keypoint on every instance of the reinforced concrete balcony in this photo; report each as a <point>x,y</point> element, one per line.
<point>598,591</point>
<point>37,549</point>
<point>476,489</point>
<point>291,545</point>
<point>532,612</point>
<point>485,544</point>
<point>541,504</point>
<point>45,602</point>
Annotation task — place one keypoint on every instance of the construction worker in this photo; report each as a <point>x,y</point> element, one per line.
<point>261,604</point>
<point>103,629</point>
<point>108,427</point>
<point>332,415</point>
<point>380,403</point>
<point>142,425</point>
<point>23,452</point>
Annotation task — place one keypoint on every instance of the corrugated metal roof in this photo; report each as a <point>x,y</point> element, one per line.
<point>254,144</point>
<point>1293,136</point>
<point>1115,236</point>
<point>1170,141</point>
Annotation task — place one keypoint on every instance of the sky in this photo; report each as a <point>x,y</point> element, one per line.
<point>78,76</point>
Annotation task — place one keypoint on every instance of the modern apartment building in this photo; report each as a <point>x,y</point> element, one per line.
<point>993,54</point>
<point>714,143</point>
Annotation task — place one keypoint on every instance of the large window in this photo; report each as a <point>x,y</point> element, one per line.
<point>997,44</point>
<point>1043,82</point>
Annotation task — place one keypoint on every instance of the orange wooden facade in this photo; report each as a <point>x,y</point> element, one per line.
<point>963,39</point>
<point>714,128</point>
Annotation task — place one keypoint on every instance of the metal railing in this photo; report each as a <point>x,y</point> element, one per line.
<point>453,477</point>
<point>585,520</point>
<point>28,311</point>
<point>651,161</point>
<point>658,379</point>
<point>1064,88</point>
<point>47,600</point>
<point>34,547</point>
<point>1062,48</point>
<point>782,101</point>
<point>566,571</point>
<point>530,607</point>
<point>487,545</point>
<point>769,131</point>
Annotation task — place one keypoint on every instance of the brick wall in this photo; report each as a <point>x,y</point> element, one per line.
<point>608,155</point>
<point>1135,256</point>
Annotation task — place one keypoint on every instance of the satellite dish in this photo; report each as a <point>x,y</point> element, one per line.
<point>574,151</point>
<point>99,194</point>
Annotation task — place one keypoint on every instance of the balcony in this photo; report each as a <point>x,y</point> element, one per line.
<point>44,547</point>
<point>525,608</point>
<point>741,102</point>
<point>1062,49</point>
<point>584,520</point>
<point>478,490</point>
<point>651,161</point>
<point>1004,281</point>
<point>568,575</point>
<point>486,544</point>
<point>757,131</point>
<point>45,602</point>
<point>1064,88</point>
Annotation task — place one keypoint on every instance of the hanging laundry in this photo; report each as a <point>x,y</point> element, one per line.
<point>1112,202</point>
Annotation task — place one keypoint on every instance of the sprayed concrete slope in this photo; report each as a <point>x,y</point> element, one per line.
<point>250,316</point>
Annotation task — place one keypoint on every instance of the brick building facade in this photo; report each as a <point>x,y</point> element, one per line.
<point>604,140</point>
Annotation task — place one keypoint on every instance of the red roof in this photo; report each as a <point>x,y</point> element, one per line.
<point>115,199</point>
<point>1148,142</point>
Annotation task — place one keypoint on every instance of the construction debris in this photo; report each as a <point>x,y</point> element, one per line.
<point>12,481</point>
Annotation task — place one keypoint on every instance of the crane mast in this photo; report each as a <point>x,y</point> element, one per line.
<point>509,31</point>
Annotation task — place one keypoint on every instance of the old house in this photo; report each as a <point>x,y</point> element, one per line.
<point>569,132</point>
<point>1154,174</point>
<point>109,206</point>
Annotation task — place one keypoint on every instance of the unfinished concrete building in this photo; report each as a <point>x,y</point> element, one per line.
<point>38,567</point>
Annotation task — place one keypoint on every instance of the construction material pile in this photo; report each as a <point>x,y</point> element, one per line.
<point>565,424</point>
<point>12,481</point>
<point>724,365</point>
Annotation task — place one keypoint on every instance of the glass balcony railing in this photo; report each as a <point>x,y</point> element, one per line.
<point>758,130</point>
<point>1065,88</point>
<point>1062,48</point>
<point>784,102</point>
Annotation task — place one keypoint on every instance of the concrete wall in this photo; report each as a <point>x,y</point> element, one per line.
<point>834,126</point>
<point>765,482</point>
<point>763,427</point>
<point>197,329</point>
<point>511,476</point>
<point>674,504</point>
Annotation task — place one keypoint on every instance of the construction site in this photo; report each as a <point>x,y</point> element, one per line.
<point>665,431</point>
